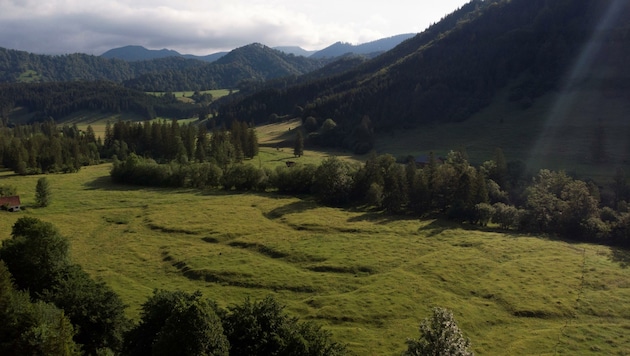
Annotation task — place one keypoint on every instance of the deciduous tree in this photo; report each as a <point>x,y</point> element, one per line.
<point>439,336</point>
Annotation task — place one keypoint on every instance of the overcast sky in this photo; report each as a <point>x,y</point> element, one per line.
<point>207,26</point>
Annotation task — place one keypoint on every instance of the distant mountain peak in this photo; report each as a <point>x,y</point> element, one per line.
<point>138,53</point>
<point>341,48</point>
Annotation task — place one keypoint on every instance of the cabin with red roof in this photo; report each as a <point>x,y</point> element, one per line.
<point>10,203</point>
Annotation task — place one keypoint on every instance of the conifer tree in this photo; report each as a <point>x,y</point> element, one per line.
<point>298,147</point>
<point>42,192</point>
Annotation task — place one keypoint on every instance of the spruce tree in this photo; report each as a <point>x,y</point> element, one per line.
<point>42,192</point>
<point>298,148</point>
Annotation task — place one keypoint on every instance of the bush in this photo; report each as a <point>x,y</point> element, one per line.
<point>506,216</point>
<point>244,177</point>
<point>293,180</point>
<point>439,336</point>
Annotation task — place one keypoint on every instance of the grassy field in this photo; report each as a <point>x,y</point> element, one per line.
<point>369,278</point>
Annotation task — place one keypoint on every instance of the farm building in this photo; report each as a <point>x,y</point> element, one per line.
<point>10,203</point>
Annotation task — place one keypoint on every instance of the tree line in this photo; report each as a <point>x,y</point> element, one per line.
<point>497,191</point>
<point>44,147</point>
<point>165,141</point>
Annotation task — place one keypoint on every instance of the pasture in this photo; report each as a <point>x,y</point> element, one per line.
<point>369,278</point>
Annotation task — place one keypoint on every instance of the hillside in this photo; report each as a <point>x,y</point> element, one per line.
<point>139,53</point>
<point>20,66</point>
<point>255,63</point>
<point>173,73</point>
<point>522,50</point>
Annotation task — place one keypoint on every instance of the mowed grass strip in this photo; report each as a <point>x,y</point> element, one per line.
<point>367,277</point>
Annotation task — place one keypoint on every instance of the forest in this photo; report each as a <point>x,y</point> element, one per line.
<point>254,62</point>
<point>454,68</point>
<point>59,99</point>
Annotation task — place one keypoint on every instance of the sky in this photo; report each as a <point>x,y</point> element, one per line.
<point>203,27</point>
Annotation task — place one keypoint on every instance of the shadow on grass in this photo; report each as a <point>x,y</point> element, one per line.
<point>379,217</point>
<point>437,227</point>
<point>105,183</point>
<point>620,256</point>
<point>293,207</point>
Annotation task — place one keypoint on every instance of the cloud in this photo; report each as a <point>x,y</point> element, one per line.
<point>188,26</point>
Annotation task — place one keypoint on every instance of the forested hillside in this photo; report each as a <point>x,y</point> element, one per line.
<point>454,69</point>
<point>56,100</point>
<point>249,63</point>
<point>20,66</point>
<point>252,63</point>
<point>139,53</point>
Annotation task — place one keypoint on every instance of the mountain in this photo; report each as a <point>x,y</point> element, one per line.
<point>458,66</point>
<point>207,58</point>
<point>369,48</point>
<point>295,50</point>
<point>139,53</point>
<point>20,66</point>
<point>251,63</point>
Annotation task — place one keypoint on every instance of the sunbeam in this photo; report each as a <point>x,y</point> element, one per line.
<point>582,124</point>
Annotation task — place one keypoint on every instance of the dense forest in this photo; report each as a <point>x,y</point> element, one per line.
<point>59,99</point>
<point>20,66</point>
<point>254,62</point>
<point>44,147</point>
<point>455,67</point>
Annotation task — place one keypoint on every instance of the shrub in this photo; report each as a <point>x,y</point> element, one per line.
<point>439,336</point>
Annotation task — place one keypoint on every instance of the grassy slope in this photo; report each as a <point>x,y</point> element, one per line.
<point>558,132</point>
<point>369,278</point>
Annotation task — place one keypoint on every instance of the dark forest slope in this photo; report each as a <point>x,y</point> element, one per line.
<point>254,62</point>
<point>455,68</point>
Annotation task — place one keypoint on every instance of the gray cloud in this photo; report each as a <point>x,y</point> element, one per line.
<point>195,26</point>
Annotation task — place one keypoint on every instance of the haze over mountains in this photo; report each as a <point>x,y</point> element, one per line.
<point>139,53</point>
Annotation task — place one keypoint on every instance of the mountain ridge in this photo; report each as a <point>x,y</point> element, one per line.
<point>453,70</point>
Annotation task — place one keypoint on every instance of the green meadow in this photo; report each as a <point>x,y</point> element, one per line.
<point>369,278</point>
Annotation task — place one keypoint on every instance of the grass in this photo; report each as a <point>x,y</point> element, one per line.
<point>184,96</point>
<point>368,277</point>
<point>29,76</point>
<point>582,131</point>
<point>276,147</point>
